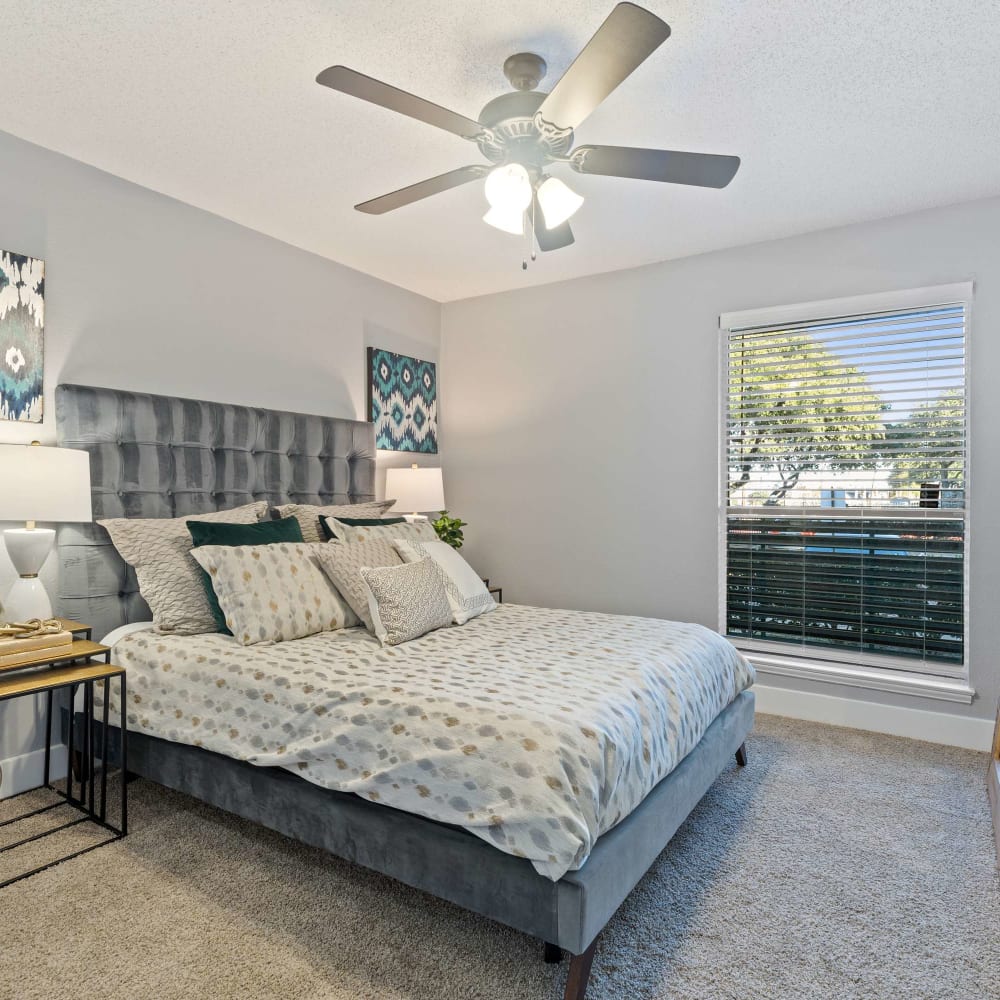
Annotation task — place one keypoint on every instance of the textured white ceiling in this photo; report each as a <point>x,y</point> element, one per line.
<point>841,109</point>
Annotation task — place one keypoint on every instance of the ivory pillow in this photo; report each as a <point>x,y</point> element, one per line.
<point>467,594</point>
<point>275,592</point>
<point>169,579</point>
<point>410,530</point>
<point>342,564</point>
<point>406,602</point>
<point>309,514</point>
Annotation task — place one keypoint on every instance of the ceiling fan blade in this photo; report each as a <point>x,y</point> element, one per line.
<point>550,239</point>
<point>628,36</point>
<point>422,189</point>
<point>699,169</point>
<point>349,81</point>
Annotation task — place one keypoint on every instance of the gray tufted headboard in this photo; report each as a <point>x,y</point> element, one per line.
<point>157,456</point>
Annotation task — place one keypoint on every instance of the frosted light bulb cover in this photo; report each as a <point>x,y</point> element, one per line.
<point>508,188</point>
<point>509,222</point>
<point>558,202</point>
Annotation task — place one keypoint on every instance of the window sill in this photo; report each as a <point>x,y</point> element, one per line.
<point>898,681</point>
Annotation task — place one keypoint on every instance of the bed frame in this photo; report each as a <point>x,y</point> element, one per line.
<point>157,456</point>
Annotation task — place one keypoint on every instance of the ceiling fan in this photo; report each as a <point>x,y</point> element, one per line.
<point>523,132</point>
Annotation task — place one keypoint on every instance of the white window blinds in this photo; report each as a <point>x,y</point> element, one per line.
<point>844,494</point>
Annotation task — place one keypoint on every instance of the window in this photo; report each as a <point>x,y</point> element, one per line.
<point>843,513</point>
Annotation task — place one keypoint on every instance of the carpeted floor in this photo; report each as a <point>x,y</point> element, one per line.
<point>837,865</point>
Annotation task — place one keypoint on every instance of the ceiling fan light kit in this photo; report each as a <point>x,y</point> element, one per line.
<point>509,190</point>
<point>523,132</point>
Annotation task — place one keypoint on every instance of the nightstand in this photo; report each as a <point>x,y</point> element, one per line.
<point>67,669</point>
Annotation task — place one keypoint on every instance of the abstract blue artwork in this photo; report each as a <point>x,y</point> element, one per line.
<point>22,324</point>
<point>402,402</point>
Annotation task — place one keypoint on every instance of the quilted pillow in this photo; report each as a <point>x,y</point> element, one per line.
<point>410,530</point>
<point>309,514</point>
<point>406,602</point>
<point>169,579</point>
<point>272,593</point>
<point>467,594</point>
<point>342,564</point>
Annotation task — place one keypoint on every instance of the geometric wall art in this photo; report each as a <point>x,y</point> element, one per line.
<point>22,326</point>
<point>402,402</point>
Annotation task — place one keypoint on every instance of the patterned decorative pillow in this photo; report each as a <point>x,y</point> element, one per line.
<point>406,602</point>
<point>342,564</point>
<point>467,594</point>
<point>309,514</point>
<point>327,531</point>
<point>169,579</point>
<point>263,533</point>
<point>272,593</point>
<point>411,531</point>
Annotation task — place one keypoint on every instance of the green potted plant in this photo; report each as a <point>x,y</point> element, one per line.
<point>449,529</point>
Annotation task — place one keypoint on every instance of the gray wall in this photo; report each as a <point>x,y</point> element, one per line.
<point>146,293</point>
<point>582,418</point>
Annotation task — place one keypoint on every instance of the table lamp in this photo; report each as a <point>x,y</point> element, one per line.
<point>38,484</point>
<point>415,489</point>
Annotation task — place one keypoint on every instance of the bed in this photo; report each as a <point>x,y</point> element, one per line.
<point>627,756</point>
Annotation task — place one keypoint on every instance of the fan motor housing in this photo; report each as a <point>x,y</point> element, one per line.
<point>515,133</point>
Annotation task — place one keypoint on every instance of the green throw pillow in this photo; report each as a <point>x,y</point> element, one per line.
<point>359,521</point>
<point>285,529</point>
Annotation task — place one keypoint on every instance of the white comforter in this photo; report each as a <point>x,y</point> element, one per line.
<point>537,730</point>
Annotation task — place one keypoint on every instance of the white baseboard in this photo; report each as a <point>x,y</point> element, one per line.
<point>18,774</point>
<point>914,723</point>
<point>993,784</point>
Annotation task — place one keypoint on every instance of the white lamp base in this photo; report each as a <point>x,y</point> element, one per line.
<point>28,549</point>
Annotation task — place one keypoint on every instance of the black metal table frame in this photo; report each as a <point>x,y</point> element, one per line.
<point>85,802</point>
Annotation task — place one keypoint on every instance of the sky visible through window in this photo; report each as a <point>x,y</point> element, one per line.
<point>883,366</point>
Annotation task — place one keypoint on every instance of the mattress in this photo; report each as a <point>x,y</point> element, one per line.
<point>535,729</point>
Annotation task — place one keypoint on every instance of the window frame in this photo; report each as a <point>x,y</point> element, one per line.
<point>823,663</point>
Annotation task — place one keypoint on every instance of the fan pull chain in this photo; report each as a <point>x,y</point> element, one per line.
<point>531,242</point>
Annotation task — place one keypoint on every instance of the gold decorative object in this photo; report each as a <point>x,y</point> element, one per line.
<point>30,628</point>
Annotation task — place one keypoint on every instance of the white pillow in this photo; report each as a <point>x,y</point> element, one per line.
<point>123,630</point>
<point>467,594</point>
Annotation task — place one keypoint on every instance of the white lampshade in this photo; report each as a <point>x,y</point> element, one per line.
<point>508,188</point>
<point>558,202</point>
<point>509,221</point>
<point>44,484</point>
<point>415,490</point>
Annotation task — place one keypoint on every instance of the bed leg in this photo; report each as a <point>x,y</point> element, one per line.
<point>579,974</point>
<point>741,755</point>
<point>553,954</point>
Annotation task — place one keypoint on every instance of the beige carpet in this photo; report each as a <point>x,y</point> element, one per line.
<point>837,865</point>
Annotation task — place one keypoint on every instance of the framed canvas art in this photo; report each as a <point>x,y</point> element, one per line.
<point>402,402</point>
<point>22,325</point>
